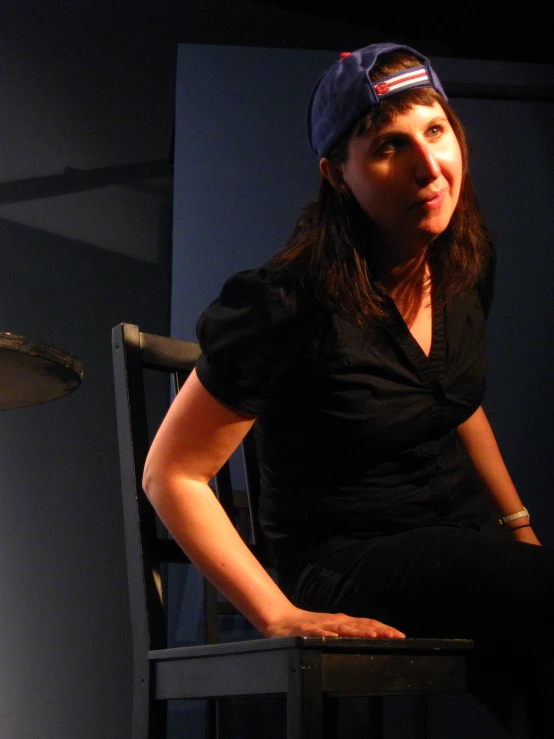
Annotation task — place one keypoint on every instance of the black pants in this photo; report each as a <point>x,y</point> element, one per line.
<point>451,582</point>
<point>436,581</point>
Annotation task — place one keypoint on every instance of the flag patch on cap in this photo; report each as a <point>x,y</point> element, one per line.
<point>414,77</point>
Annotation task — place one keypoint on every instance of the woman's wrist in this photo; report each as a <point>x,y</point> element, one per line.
<point>281,623</point>
<point>272,613</point>
<point>521,526</point>
<point>515,519</point>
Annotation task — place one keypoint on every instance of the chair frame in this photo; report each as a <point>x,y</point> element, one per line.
<point>309,671</point>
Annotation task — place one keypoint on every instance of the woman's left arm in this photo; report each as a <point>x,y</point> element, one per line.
<point>478,439</point>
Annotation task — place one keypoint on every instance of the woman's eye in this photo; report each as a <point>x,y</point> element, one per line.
<point>389,146</point>
<point>435,131</point>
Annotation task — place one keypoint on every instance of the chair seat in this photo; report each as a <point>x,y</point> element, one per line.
<point>265,666</point>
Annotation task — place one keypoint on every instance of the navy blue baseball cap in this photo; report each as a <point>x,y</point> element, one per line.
<point>344,93</point>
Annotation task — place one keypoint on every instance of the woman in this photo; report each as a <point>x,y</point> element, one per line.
<point>359,349</point>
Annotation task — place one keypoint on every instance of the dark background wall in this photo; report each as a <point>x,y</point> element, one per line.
<point>87,95</point>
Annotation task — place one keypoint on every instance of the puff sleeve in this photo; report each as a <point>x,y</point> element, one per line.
<point>249,336</point>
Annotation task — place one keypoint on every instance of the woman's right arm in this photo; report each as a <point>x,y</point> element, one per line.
<point>195,439</point>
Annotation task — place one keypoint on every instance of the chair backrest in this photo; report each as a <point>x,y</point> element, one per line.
<point>137,354</point>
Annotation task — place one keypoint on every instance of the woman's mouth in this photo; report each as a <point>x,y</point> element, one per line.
<point>435,201</point>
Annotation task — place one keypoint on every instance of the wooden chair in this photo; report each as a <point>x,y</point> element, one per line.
<point>309,672</point>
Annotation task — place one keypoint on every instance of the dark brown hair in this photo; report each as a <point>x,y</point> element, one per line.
<point>332,239</point>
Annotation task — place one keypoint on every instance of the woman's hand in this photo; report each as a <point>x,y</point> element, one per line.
<point>525,534</point>
<point>309,623</point>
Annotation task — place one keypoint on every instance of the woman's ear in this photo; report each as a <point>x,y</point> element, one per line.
<point>332,173</point>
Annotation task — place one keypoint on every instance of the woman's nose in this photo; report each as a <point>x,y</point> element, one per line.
<point>426,164</point>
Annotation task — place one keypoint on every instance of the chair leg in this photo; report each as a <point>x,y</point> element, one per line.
<point>421,716</point>
<point>304,697</point>
<point>157,723</point>
<point>140,712</point>
<point>218,719</point>
<point>223,718</point>
<point>149,716</point>
<point>211,718</point>
<point>376,717</point>
<point>330,718</point>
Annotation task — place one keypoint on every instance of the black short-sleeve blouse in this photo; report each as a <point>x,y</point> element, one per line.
<point>356,431</point>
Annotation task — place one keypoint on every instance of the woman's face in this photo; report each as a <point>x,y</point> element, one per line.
<point>407,176</point>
